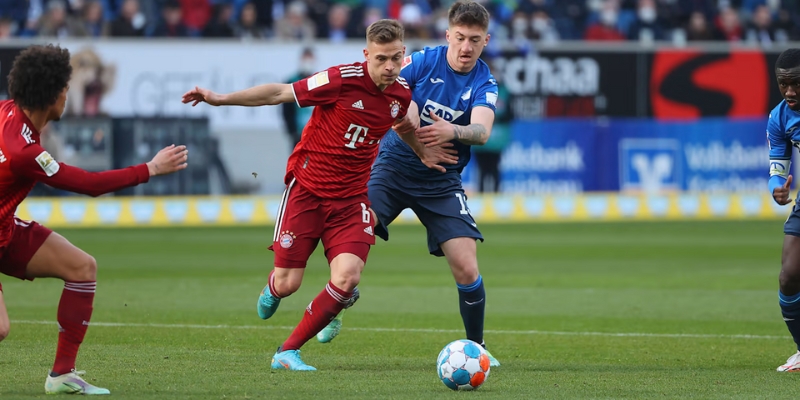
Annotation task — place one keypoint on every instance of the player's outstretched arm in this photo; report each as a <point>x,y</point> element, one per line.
<point>35,163</point>
<point>262,95</point>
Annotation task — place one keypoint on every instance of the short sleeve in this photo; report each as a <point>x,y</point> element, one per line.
<point>412,64</point>
<point>486,94</point>
<point>318,89</point>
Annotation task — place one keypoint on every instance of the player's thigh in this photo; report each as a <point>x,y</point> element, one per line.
<point>347,265</point>
<point>349,228</point>
<point>58,258</point>
<point>5,324</point>
<point>789,278</point>
<point>387,202</point>
<point>37,252</point>
<point>446,217</point>
<point>297,228</point>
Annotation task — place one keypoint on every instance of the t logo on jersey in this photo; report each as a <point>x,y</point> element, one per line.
<point>355,133</point>
<point>445,113</point>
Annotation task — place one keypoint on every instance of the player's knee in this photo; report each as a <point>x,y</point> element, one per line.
<point>347,280</point>
<point>789,281</point>
<point>82,269</point>
<point>465,274</point>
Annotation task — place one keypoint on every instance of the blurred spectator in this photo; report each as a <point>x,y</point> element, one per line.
<point>130,22</point>
<point>699,29</point>
<point>414,21</point>
<point>56,23</point>
<point>605,29</point>
<point>543,27</point>
<point>195,15</point>
<point>171,23</point>
<point>295,24</point>
<point>247,27</point>
<point>92,19</point>
<point>647,27</point>
<point>220,26</point>
<point>761,29</point>
<point>338,23</point>
<point>6,28</point>
<point>730,25</point>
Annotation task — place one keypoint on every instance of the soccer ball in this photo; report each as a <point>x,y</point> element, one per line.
<point>463,365</point>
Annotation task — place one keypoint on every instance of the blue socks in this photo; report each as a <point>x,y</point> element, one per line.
<point>472,302</point>
<point>790,308</point>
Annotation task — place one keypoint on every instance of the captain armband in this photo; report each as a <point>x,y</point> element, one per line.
<point>779,168</point>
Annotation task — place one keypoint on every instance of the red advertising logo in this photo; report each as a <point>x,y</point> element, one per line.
<point>687,84</point>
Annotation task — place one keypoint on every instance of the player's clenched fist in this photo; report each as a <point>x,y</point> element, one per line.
<point>170,159</point>
<point>781,193</point>
<point>199,95</point>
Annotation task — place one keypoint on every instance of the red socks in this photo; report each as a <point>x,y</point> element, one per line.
<point>319,313</point>
<point>74,313</point>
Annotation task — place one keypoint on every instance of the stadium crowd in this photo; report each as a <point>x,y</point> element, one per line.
<point>762,22</point>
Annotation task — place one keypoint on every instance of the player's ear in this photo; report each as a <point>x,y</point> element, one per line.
<point>447,35</point>
<point>404,50</point>
<point>486,41</point>
<point>366,54</point>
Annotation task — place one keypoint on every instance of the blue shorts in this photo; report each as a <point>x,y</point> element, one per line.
<point>792,225</point>
<point>445,216</point>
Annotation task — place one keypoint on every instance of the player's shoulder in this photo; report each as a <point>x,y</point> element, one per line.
<point>425,55</point>
<point>353,70</point>
<point>778,114</point>
<point>10,116</point>
<point>483,73</point>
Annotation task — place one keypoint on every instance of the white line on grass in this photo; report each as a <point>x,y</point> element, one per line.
<point>422,330</point>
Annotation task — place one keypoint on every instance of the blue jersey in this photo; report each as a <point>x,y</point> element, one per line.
<point>437,88</point>
<point>783,132</point>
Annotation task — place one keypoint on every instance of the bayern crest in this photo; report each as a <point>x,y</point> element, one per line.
<point>286,239</point>
<point>395,107</point>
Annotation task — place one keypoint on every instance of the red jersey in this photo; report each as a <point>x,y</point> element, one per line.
<point>340,141</point>
<point>23,162</point>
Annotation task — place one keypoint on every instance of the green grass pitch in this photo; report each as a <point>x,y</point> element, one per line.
<point>631,310</point>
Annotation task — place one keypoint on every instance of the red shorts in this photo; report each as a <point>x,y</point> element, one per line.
<point>344,225</point>
<point>26,238</point>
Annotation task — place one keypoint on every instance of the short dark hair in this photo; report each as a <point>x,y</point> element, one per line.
<point>385,31</point>
<point>789,59</point>
<point>468,13</point>
<point>38,76</point>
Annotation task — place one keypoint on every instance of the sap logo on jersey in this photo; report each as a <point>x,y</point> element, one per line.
<point>445,113</point>
<point>650,165</point>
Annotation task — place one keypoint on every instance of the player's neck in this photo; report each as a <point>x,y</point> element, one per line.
<point>38,118</point>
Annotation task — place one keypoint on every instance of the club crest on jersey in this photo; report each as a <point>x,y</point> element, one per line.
<point>395,108</point>
<point>286,239</point>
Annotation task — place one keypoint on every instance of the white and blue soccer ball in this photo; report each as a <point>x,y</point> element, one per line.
<point>463,365</point>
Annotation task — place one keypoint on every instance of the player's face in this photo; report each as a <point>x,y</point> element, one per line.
<point>384,62</point>
<point>57,111</point>
<point>465,45</point>
<point>789,85</point>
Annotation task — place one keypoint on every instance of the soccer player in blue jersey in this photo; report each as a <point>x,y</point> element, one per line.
<point>454,95</point>
<point>783,133</point>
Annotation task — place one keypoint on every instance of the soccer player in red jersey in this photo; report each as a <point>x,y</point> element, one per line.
<point>37,85</point>
<point>326,177</point>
